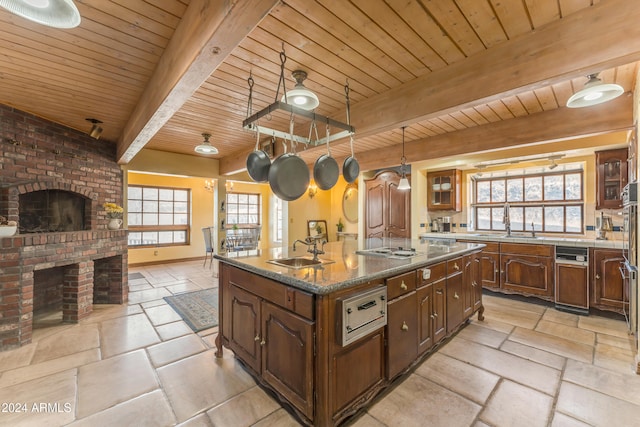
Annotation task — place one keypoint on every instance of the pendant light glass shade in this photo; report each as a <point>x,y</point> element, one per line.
<point>404,182</point>
<point>594,92</point>
<point>206,147</point>
<point>300,96</point>
<point>52,13</point>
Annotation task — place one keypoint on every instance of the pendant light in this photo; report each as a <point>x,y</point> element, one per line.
<point>594,92</point>
<point>206,147</point>
<point>404,182</point>
<point>52,13</point>
<point>300,96</point>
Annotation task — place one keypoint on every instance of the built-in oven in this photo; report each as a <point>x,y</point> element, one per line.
<point>629,269</point>
<point>630,278</point>
<point>630,223</point>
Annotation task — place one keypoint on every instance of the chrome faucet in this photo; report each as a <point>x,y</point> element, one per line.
<point>506,218</point>
<point>312,246</point>
<point>533,229</point>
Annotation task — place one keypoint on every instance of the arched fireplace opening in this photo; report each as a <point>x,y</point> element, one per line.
<point>50,211</point>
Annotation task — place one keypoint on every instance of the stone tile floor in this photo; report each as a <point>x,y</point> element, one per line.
<point>140,364</point>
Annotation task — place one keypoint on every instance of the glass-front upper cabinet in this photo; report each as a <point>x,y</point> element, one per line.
<point>443,190</point>
<point>611,177</point>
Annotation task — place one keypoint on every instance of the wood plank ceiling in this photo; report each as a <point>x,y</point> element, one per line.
<point>112,65</point>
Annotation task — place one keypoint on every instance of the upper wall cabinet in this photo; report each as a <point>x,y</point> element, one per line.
<point>443,190</point>
<point>611,177</point>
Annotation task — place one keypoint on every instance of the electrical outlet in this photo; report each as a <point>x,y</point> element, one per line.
<point>155,253</point>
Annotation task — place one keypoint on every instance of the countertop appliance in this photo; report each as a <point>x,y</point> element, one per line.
<point>572,279</point>
<point>603,224</point>
<point>446,224</point>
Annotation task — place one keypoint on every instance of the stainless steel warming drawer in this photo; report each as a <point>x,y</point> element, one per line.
<point>361,314</point>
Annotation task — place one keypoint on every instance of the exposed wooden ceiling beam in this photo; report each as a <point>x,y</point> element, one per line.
<point>206,35</point>
<point>549,126</point>
<point>579,44</point>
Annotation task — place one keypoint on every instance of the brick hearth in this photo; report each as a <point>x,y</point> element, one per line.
<point>76,269</point>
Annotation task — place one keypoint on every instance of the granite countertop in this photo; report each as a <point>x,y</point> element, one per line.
<point>348,267</point>
<point>521,237</point>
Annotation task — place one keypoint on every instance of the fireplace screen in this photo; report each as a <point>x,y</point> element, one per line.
<point>48,211</point>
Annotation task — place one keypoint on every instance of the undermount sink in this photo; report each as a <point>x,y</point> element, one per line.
<point>519,236</point>
<point>299,262</point>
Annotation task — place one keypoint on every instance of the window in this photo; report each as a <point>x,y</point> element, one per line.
<point>243,209</point>
<point>546,202</point>
<point>158,216</point>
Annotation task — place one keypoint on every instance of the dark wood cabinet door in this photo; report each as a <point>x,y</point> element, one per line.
<point>402,345</point>
<point>287,355</point>
<point>454,301</point>
<point>608,282</point>
<point>528,274</point>
<point>439,310</point>
<point>375,217</point>
<point>490,270</point>
<point>468,292</point>
<point>399,211</point>
<point>244,326</point>
<point>476,280</point>
<point>425,318</point>
<point>387,209</point>
<point>572,285</point>
<point>611,177</point>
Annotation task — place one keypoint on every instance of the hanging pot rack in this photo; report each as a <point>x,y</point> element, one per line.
<point>252,121</point>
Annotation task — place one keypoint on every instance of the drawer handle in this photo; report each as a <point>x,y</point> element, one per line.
<point>439,292</point>
<point>456,296</point>
<point>403,286</point>
<point>455,266</point>
<point>367,305</point>
<point>257,337</point>
<point>404,326</point>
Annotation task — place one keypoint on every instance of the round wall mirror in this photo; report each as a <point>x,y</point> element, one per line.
<point>350,203</point>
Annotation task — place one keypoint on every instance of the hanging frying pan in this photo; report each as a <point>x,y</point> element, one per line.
<point>350,167</point>
<point>289,174</point>
<point>258,162</point>
<point>325,170</point>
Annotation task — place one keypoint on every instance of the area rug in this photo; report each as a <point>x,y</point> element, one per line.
<point>199,309</point>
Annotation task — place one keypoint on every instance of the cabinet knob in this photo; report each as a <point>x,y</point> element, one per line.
<point>404,326</point>
<point>263,342</point>
<point>597,276</point>
<point>439,292</point>
<point>455,266</point>
<point>403,286</point>
<point>474,284</point>
<point>257,337</point>
<point>434,315</point>
<point>456,296</point>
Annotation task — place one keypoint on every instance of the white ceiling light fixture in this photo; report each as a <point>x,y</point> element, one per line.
<point>594,92</point>
<point>300,96</point>
<point>206,147</point>
<point>52,13</point>
<point>404,182</point>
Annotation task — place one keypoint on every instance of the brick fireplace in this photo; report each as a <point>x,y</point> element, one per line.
<point>53,182</point>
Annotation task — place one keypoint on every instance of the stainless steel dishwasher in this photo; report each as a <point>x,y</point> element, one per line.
<point>572,279</point>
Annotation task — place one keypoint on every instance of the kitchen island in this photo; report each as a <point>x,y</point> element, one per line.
<point>327,338</point>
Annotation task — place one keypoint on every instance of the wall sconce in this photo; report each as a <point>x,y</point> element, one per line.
<point>313,189</point>
<point>209,185</point>
<point>229,186</point>
<point>96,130</point>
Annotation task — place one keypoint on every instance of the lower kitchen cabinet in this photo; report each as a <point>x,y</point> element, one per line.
<point>527,269</point>
<point>608,290</point>
<point>402,328</point>
<point>275,343</point>
<point>431,302</point>
<point>571,285</point>
<point>455,293</point>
